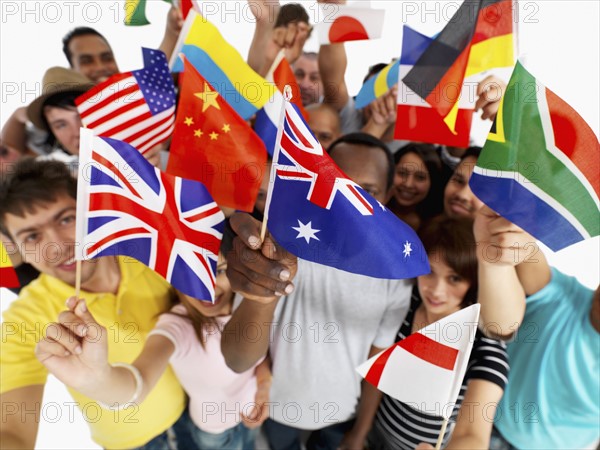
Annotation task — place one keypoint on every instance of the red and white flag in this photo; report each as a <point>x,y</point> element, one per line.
<point>281,75</point>
<point>136,107</point>
<point>348,23</point>
<point>427,368</point>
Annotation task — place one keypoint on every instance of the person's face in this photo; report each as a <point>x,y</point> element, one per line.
<point>366,166</point>
<point>411,180</point>
<point>92,57</point>
<point>324,125</point>
<point>223,294</point>
<point>64,125</point>
<point>308,78</point>
<point>459,200</point>
<point>46,239</point>
<point>442,290</point>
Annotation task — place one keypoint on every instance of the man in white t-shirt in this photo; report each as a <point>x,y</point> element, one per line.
<point>329,322</point>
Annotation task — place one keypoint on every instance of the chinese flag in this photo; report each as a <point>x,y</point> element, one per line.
<point>213,144</point>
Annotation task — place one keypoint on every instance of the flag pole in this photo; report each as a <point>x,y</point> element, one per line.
<point>441,436</point>
<point>77,278</point>
<point>287,96</point>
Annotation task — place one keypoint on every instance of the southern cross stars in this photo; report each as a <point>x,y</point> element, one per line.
<point>407,249</point>
<point>306,231</point>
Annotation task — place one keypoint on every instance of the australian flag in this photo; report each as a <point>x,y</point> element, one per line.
<point>126,206</point>
<point>320,215</point>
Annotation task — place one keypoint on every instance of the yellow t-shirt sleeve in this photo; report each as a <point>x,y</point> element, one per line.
<point>23,325</point>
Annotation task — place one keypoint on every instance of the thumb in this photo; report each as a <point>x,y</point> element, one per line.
<point>94,331</point>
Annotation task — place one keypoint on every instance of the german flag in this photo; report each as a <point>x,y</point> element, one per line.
<point>8,276</point>
<point>478,37</point>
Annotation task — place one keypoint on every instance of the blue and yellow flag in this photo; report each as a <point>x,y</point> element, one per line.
<point>222,66</point>
<point>378,85</point>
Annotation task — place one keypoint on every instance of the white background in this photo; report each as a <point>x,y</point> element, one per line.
<point>559,38</point>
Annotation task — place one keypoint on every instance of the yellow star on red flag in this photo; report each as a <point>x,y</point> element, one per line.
<point>208,97</point>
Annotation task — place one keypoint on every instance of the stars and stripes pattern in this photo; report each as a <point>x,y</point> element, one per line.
<point>128,207</point>
<point>136,107</point>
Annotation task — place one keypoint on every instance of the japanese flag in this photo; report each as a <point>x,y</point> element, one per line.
<point>426,369</point>
<point>349,23</point>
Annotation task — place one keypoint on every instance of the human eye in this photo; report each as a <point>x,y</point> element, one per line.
<point>31,238</point>
<point>455,279</point>
<point>66,220</point>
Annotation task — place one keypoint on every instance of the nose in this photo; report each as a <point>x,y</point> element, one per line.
<point>438,288</point>
<point>54,247</point>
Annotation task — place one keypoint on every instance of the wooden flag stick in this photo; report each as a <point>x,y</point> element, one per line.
<point>441,436</point>
<point>77,278</point>
<point>287,96</point>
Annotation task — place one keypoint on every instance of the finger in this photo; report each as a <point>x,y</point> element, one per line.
<point>279,37</point>
<point>247,228</point>
<point>69,319</point>
<point>65,337</point>
<point>291,33</point>
<point>256,286</point>
<point>94,330</point>
<point>71,302</point>
<point>47,348</point>
<point>252,261</point>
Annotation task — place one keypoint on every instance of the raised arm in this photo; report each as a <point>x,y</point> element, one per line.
<point>75,350</point>
<point>172,30</point>
<point>332,66</point>
<point>501,246</point>
<point>261,272</point>
<point>261,52</point>
<point>20,417</point>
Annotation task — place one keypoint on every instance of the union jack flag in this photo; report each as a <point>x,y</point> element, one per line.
<point>136,107</point>
<point>317,213</point>
<point>126,206</point>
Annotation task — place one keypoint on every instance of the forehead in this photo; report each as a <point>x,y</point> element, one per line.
<point>88,44</point>
<point>307,64</point>
<point>38,213</point>
<point>411,159</point>
<point>466,166</point>
<point>362,164</point>
<point>320,119</point>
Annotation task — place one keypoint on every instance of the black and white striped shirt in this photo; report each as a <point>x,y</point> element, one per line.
<point>399,426</point>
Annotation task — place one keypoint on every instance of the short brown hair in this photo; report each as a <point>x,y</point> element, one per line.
<point>32,183</point>
<point>291,13</point>
<point>454,242</point>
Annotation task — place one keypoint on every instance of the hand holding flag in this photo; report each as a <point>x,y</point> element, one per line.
<point>540,165</point>
<point>427,368</point>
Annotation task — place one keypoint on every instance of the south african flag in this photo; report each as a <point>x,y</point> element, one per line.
<point>540,166</point>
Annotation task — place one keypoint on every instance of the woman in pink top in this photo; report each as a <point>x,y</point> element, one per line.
<point>225,409</point>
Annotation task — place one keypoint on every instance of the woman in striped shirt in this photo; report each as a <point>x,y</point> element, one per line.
<point>451,286</point>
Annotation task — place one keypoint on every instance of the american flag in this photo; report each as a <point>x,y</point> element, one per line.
<point>126,206</point>
<point>317,213</point>
<point>136,107</point>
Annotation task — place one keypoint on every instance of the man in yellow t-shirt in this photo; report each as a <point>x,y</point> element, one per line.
<point>37,211</point>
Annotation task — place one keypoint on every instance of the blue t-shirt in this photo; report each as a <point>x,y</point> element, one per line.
<point>552,399</point>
